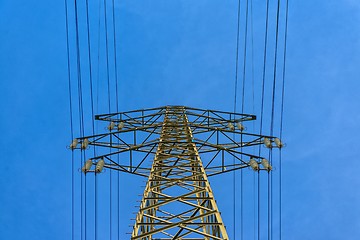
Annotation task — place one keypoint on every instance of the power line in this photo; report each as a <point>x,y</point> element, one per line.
<point>71,117</point>
<point>98,60</point>
<point>90,67</point>
<point>253,110</point>
<point>275,67</point>
<point>237,56</point>
<point>264,69</point>
<point>97,106</point>
<point>242,111</point>
<point>109,104</point>
<point>91,96</point>
<point>107,55</point>
<point>117,110</point>
<point>115,56</point>
<point>235,101</point>
<point>253,107</point>
<point>262,101</point>
<point>282,115</point>
<point>270,210</point>
<point>81,114</point>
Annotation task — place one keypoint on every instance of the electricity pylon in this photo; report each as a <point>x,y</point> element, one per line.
<point>178,202</point>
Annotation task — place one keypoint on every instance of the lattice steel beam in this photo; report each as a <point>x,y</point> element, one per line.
<point>135,137</point>
<point>178,202</point>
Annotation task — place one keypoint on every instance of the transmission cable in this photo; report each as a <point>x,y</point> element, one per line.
<point>71,117</point>
<point>272,115</point>
<point>275,68</point>
<point>253,107</point>
<point>109,105</point>
<point>235,101</point>
<point>90,68</point>
<point>97,110</point>
<point>115,55</point>
<point>262,100</point>
<point>98,61</point>
<point>81,113</point>
<point>91,94</point>
<point>242,112</point>
<point>117,110</point>
<point>282,113</point>
<point>264,69</point>
<point>107,56</point>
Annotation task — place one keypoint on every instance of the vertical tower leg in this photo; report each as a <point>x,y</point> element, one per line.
<point>178,202</point>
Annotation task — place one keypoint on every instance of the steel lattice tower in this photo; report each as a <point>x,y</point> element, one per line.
<point>178,202</point>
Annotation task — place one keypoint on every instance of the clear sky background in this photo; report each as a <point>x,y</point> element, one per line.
<point>182,52</point>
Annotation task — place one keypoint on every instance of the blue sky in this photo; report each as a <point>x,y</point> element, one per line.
<point>182,52</point>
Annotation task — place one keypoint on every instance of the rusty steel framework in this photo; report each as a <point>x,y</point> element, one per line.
<point>165,145</point>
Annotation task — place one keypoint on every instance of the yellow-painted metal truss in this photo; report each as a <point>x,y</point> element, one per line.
<point>136,142</point>
<point>178,202</point>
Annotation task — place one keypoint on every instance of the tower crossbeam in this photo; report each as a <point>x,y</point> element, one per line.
<point>164,145</point>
